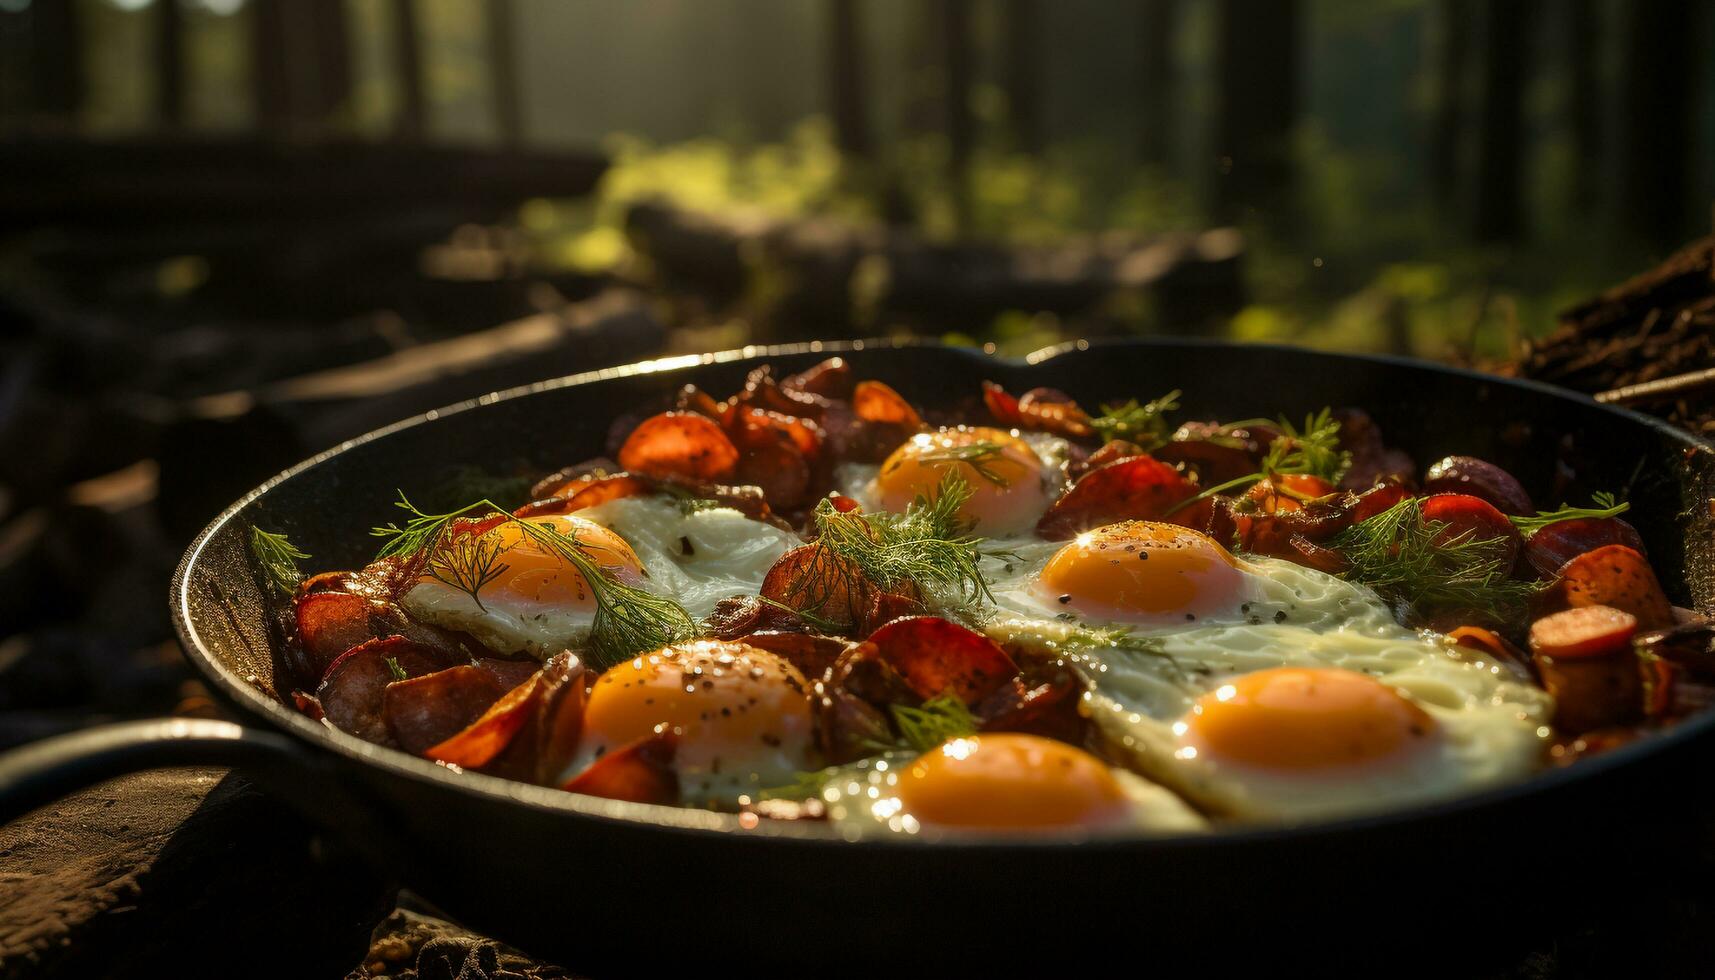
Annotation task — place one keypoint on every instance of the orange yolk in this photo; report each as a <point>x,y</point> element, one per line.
<point>1004,781</point>
<point>1142,572</point>
<point>534,572</point>
<point>1300,718</point>
<point>743,715</point>
<point>1004,474</point>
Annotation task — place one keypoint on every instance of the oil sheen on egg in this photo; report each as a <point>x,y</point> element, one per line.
<point>999,783</point>
<point>742,714</point>
<point>1013,477</point>
<point>1202,632</point>
<point>532,599</point>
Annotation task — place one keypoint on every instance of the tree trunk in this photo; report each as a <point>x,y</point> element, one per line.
<point>1023,24</point>
<point>1586,103</point>
<point>503,81</point>
<point>412,123</point>
<point>56,60</point>
<point>1155,61</point>
<point>846,78</point>
<point>169,64</point>
<point>270,78</point>
<point>1499,216</point>
<point>961,129</point>
<point>1256,104</point>
<point>331,43</point>
<point>1656,141</point>
<point>1448,122</point>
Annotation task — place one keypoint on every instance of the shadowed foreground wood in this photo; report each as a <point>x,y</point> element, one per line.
<point>182,873</point>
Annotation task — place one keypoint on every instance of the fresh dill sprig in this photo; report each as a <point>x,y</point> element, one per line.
<point>468,564</point>
<point>1412,562</point>
<point>688,501</point>
<point>1313,450</point>
<point>278,558</point>
<point>810,619</point>
<point>1606,506</point>
<point>929,545</point>
<point>980,456</point>
<point>628,619</point>
<point>805,785</point>
<point>1144,424</point>
<point>394,669</point>
<point>938,719</point>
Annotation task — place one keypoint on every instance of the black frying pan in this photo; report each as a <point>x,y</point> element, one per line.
<point>621,888</point>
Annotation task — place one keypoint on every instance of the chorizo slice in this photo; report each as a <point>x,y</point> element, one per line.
<point>1551,547</point>
<point>637,772</point>
<point>329,624</point>
<point>936,656</point>
<point>352,691</point>
<point>1584,656</point>
<point>811,579</point>
<point>1140,488</point>
<point>1002,406</point>
<point>1479,478</point>
<point>679,444</point>
<point>811,654</point>
<point>874,401</point>
<point>589,493</point>
<point>831,378</point>
<point>425,711</point>
<point>1052,410</point>
<point>1618,576</point>
<point>1214,462</point>
<point>478,743</point>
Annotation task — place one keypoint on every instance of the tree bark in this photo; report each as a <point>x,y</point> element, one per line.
<point>1655,120</point>
<point>955,17</point>
<point>1586,103</point>
<point>1499,216</point>
<point>504,86</point>
<point>56,60</point>
<point>1448,123</point>
<point>1023,26</point>
<point>331,43</point>
<point>270,79</point>
<point>1256,104</point>
<point>408,67</point>
<point>1155,61</point>
<point>846,78</point>
<point>169,64</point>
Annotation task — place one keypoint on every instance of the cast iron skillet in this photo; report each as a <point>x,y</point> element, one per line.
<point>618,888</point>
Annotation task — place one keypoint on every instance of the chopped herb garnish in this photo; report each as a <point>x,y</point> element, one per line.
<point>979,456</point>
<point>929,545</point>
<point>937,720</point>
<point>1413,563</point>
<point>1144,424</point>
<point>1606,506</point>
<point>628,620</point>
<point>1313,450</point>
<point>278,558</point>
<point>397,671</point>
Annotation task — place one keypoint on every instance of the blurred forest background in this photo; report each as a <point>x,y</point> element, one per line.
<point>1436,176</point>
<point>236,232</point>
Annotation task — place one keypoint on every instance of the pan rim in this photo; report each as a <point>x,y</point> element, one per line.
<point>726,827</point>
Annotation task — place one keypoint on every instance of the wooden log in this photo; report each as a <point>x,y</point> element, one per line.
<point>181,873</point>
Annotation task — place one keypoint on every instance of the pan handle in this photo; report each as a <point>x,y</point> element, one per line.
<point>44,771</point>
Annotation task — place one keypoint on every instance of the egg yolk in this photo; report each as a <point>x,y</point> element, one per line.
<point>1142,572</point>
<point>1299,718</point>
<point>528,570</point>
<point>1005,781</point>
<point>743,715</point>
<point>1003,472</point>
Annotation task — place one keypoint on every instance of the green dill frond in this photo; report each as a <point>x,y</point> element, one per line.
<point>804,785</point>
<point>818,623</point>
<point>1144,424</point>
<point>628,620</point>
<point>938,719</point>
<point>278,558</point>
<point>1313,450</point>
<point>1606,506</point>
<point>395,670</point>
<point>979,456</point>
<point>468,564</point>
<point>689,503</point>
<point>1406,561</point>
<point>928,545</point>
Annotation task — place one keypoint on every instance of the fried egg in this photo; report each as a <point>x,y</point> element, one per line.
<point>743,715</point>
<point>528,596</point>
<point>1013,477</point>
<point>540,604</point>
<point>999,783</point>
<point>1260,689</point>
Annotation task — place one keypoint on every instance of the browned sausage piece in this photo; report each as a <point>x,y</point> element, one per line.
<point>1585,659</point>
